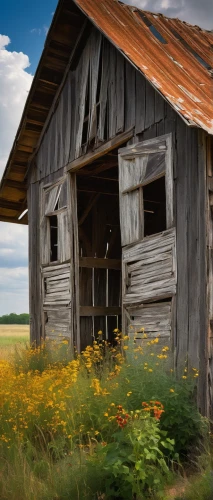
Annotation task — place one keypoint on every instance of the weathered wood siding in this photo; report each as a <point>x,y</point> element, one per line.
<point>125,99</point>
<point>157,319</point>
<point>150,269</point>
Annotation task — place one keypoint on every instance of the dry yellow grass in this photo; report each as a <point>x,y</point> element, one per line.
<point>11,336</point>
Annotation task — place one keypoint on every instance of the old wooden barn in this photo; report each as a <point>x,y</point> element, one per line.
<point>113,159</point>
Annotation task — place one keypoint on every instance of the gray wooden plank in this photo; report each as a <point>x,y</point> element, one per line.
<point>119,92</point>
<point>140,103</point>
<point>182,245</point>
<point>130,104</point>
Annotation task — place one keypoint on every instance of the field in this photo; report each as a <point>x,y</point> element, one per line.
<point>10,336</point>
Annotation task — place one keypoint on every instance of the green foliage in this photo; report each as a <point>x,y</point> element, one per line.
<point>134,462</point>
<point>96,426</point>
<point>15,319</point>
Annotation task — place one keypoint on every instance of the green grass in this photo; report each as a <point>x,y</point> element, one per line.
<point>9,341</point>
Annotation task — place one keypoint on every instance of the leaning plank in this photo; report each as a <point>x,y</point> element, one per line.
<point>102,150</point>
<point>57,277</point>
<point>54,268</point>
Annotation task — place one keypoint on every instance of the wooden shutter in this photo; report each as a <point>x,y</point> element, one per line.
<point>149,273</point>
<point>51,198</point>
<point>63,237</point>
<point>140,165</point>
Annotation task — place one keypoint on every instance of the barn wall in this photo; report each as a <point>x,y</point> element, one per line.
<point>127,100</point>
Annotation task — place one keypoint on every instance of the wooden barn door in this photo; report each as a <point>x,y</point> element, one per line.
<point>147,236</point>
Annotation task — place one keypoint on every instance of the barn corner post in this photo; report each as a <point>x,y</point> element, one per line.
<point>74,261</point>
<point>35,292</point>
<point>205,386</point>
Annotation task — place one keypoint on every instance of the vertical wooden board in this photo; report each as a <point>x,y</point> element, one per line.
<point>62,201</point>
<point>86,299</point>
<point>193,248</point>
<point>60,118</point>
<point>170,119</point>
<point>40,160</point>
<point>100,300</point>
<point>104,90</point>
<point>72,196</point>
<point>150,105</point>
<point>149,133</point>
<point>129,217</point>
<point>160,128</point>
<point>48,153</point>
<point>51,198</point>
<point>72,129</point>
<point>66,120</point>
<point>140,103</point>
<point>203,400</point>
<point>100,287</point>
<point>130,104</point>
<point>114,287</point>
<point>82,74</point>
<point>63,237</point>
<point>34,264</point>
<point>119,92</point>
<point>114,299</point>
<point>86,329</point>
<point>112,91</point>
<point>182,245</point>
<point>100,325</point>
<point>96,40</point>
<point>54,144</point>
<point>85,286</point>
<point>159,107</point>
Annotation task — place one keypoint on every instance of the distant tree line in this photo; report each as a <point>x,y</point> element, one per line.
<point>15,319</point>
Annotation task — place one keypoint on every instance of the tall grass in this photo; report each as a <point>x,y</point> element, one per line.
<point>67,422</point>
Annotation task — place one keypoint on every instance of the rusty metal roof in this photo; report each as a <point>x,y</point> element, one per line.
<point>174,56</point>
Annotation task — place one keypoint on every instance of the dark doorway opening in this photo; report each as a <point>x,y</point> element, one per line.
<point>99,249</point>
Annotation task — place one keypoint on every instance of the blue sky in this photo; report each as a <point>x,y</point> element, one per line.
<point>26,24</point>
<point>23,29</point>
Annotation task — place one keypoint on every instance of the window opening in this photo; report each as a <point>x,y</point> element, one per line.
<point>152,28</point>
<point>53,238</point>
<point>190,49</point>
<point>154,196</point>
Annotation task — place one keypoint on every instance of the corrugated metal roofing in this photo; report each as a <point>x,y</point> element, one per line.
<point>176,57</point>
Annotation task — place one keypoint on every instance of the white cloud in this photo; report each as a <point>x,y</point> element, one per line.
<point>46,29</point>
<point>40,31</point>
<point>14,290</point>
<point>15,83</point>
<point>36,30</point>
<point>192,11</point>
